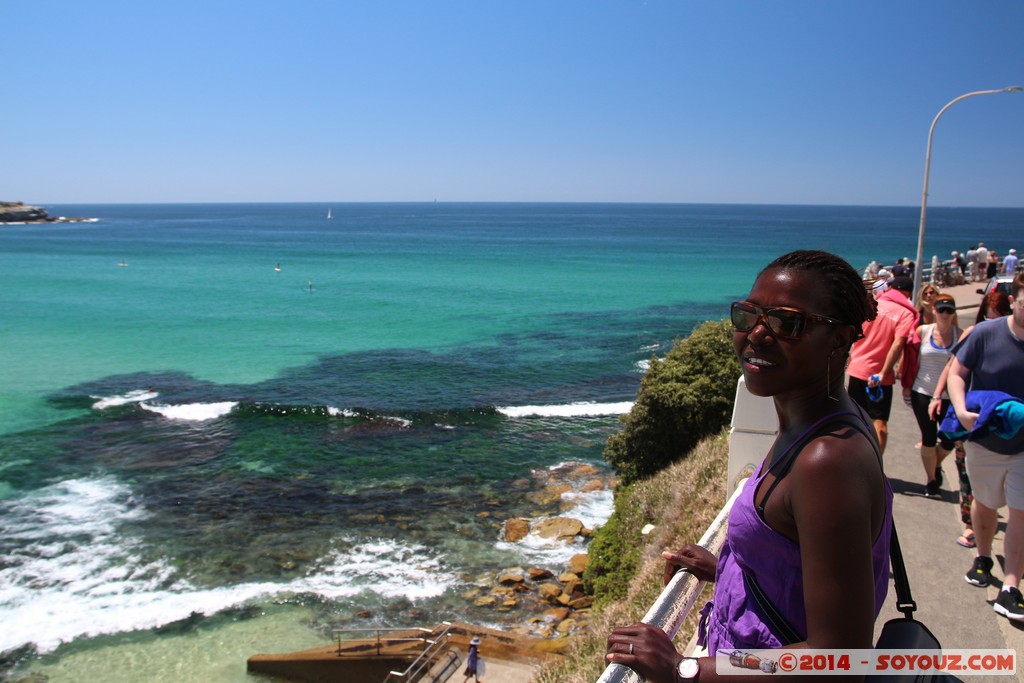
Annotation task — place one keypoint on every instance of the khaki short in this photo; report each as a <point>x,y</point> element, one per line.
<point>996,479</point>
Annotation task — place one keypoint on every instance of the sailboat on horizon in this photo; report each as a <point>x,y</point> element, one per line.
<point>329,214</point>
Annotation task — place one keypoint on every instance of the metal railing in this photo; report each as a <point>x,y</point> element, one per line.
<point>379,641</point>
<point>678,597</point>
<point>435,648</point>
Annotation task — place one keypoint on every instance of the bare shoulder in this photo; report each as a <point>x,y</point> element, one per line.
<point>844,455</point>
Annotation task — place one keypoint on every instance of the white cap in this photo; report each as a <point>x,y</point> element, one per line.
<point>1013,251</point>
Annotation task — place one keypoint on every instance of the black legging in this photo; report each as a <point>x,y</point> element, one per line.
<point>929,427</point>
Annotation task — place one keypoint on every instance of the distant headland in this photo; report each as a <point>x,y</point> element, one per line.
<point>19,213</point>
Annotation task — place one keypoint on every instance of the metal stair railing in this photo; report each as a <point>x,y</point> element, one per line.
<point>435,649</point>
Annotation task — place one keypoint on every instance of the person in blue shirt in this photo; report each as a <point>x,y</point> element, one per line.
<point>992,359</point>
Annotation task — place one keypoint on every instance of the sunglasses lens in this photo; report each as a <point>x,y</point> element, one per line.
<point>785,323</point>
<point>780,322</point>
<point>744,317</point>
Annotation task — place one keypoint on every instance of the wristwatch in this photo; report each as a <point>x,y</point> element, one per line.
<point>688,669</point>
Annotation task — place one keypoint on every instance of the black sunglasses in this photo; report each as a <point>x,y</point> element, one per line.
<point>781,322</point>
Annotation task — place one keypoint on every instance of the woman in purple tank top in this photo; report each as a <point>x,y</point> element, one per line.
<point>806,558</point>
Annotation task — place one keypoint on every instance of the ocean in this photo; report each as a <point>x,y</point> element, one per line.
<point>230,428</point>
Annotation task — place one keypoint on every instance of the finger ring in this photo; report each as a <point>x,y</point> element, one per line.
<point>631,648</point>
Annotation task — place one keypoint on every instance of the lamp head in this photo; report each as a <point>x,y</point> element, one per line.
<point>1013,88</point>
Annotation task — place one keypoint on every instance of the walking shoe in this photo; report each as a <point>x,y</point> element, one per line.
<point>981,571</point>
<point>932,490</point>
<point>1010,604</point>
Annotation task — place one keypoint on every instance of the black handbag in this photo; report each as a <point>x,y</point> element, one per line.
<point>906,632</point>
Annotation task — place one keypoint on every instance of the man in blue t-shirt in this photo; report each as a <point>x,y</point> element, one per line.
<point>1010,263</point>
<point>992,359</point>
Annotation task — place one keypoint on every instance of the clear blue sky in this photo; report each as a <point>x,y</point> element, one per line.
<point>761,101</point>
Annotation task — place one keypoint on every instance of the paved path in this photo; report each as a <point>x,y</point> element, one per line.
<point>959,614</point>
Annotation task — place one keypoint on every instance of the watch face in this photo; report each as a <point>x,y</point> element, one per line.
<point>688,668</point>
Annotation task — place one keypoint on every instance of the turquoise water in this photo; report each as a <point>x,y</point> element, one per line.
<point>267,413</point>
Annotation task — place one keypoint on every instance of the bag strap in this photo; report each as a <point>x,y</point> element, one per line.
<point>777,622</point>
<point>904,600</point>
<point>784,630</point>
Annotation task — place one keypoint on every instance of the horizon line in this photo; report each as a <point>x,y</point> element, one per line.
<point>510,201</point>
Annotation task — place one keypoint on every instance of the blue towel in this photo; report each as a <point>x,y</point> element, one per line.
<point>999,413</point>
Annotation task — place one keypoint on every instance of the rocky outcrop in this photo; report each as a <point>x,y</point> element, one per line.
<point>12,213</point>
<point>18,212</point>
<point>558,605</point>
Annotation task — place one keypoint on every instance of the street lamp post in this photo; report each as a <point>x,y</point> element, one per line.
<point>918,268</point>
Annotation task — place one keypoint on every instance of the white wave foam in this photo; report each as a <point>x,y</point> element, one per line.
<point>388,567</point>
<point>341,412</point>
<point>593,508</point>
<point>68,571</point>
<point>192,412</point>
<point>548,552</point>
<point>581,409</point>
<point>121,399</point>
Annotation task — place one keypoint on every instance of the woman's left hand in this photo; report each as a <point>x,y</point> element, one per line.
<point>646,650</point>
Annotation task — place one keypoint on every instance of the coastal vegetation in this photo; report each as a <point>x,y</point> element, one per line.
<point>682,399</point>
<point>672,457</point>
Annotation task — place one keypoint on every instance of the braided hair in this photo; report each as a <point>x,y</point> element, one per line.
<point>851,301</point>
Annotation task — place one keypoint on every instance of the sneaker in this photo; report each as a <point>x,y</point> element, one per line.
<point>1010,604</point>
<point>932,489</point>
<point>981,571</point>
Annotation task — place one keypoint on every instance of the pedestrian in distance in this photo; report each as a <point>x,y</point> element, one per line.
<point>873,359</point>
<point>937,342</point>
<point>474,662</point>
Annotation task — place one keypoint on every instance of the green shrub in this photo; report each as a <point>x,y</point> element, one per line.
<point>682,399</point>
<point>612,563</point>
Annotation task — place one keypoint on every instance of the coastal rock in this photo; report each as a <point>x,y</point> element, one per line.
<point>539,573</point>
<point>555,614</point>
<point>582,603</point>
<point>556,645</point>
<point>566,626</point>
<point>578,563</point>
<point>572,586</point>
<point>562,528</point>
<point>550,495</point>
<point>512,575</point>
<point>18,212</point>
<point>515,529</point>
<point>550,591</point>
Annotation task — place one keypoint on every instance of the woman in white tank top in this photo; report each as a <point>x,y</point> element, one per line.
<point>937,342</point>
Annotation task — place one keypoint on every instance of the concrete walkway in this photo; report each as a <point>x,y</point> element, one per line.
<point>959,614</point>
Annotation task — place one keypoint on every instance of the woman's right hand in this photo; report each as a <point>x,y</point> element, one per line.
<point>693,557</point>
